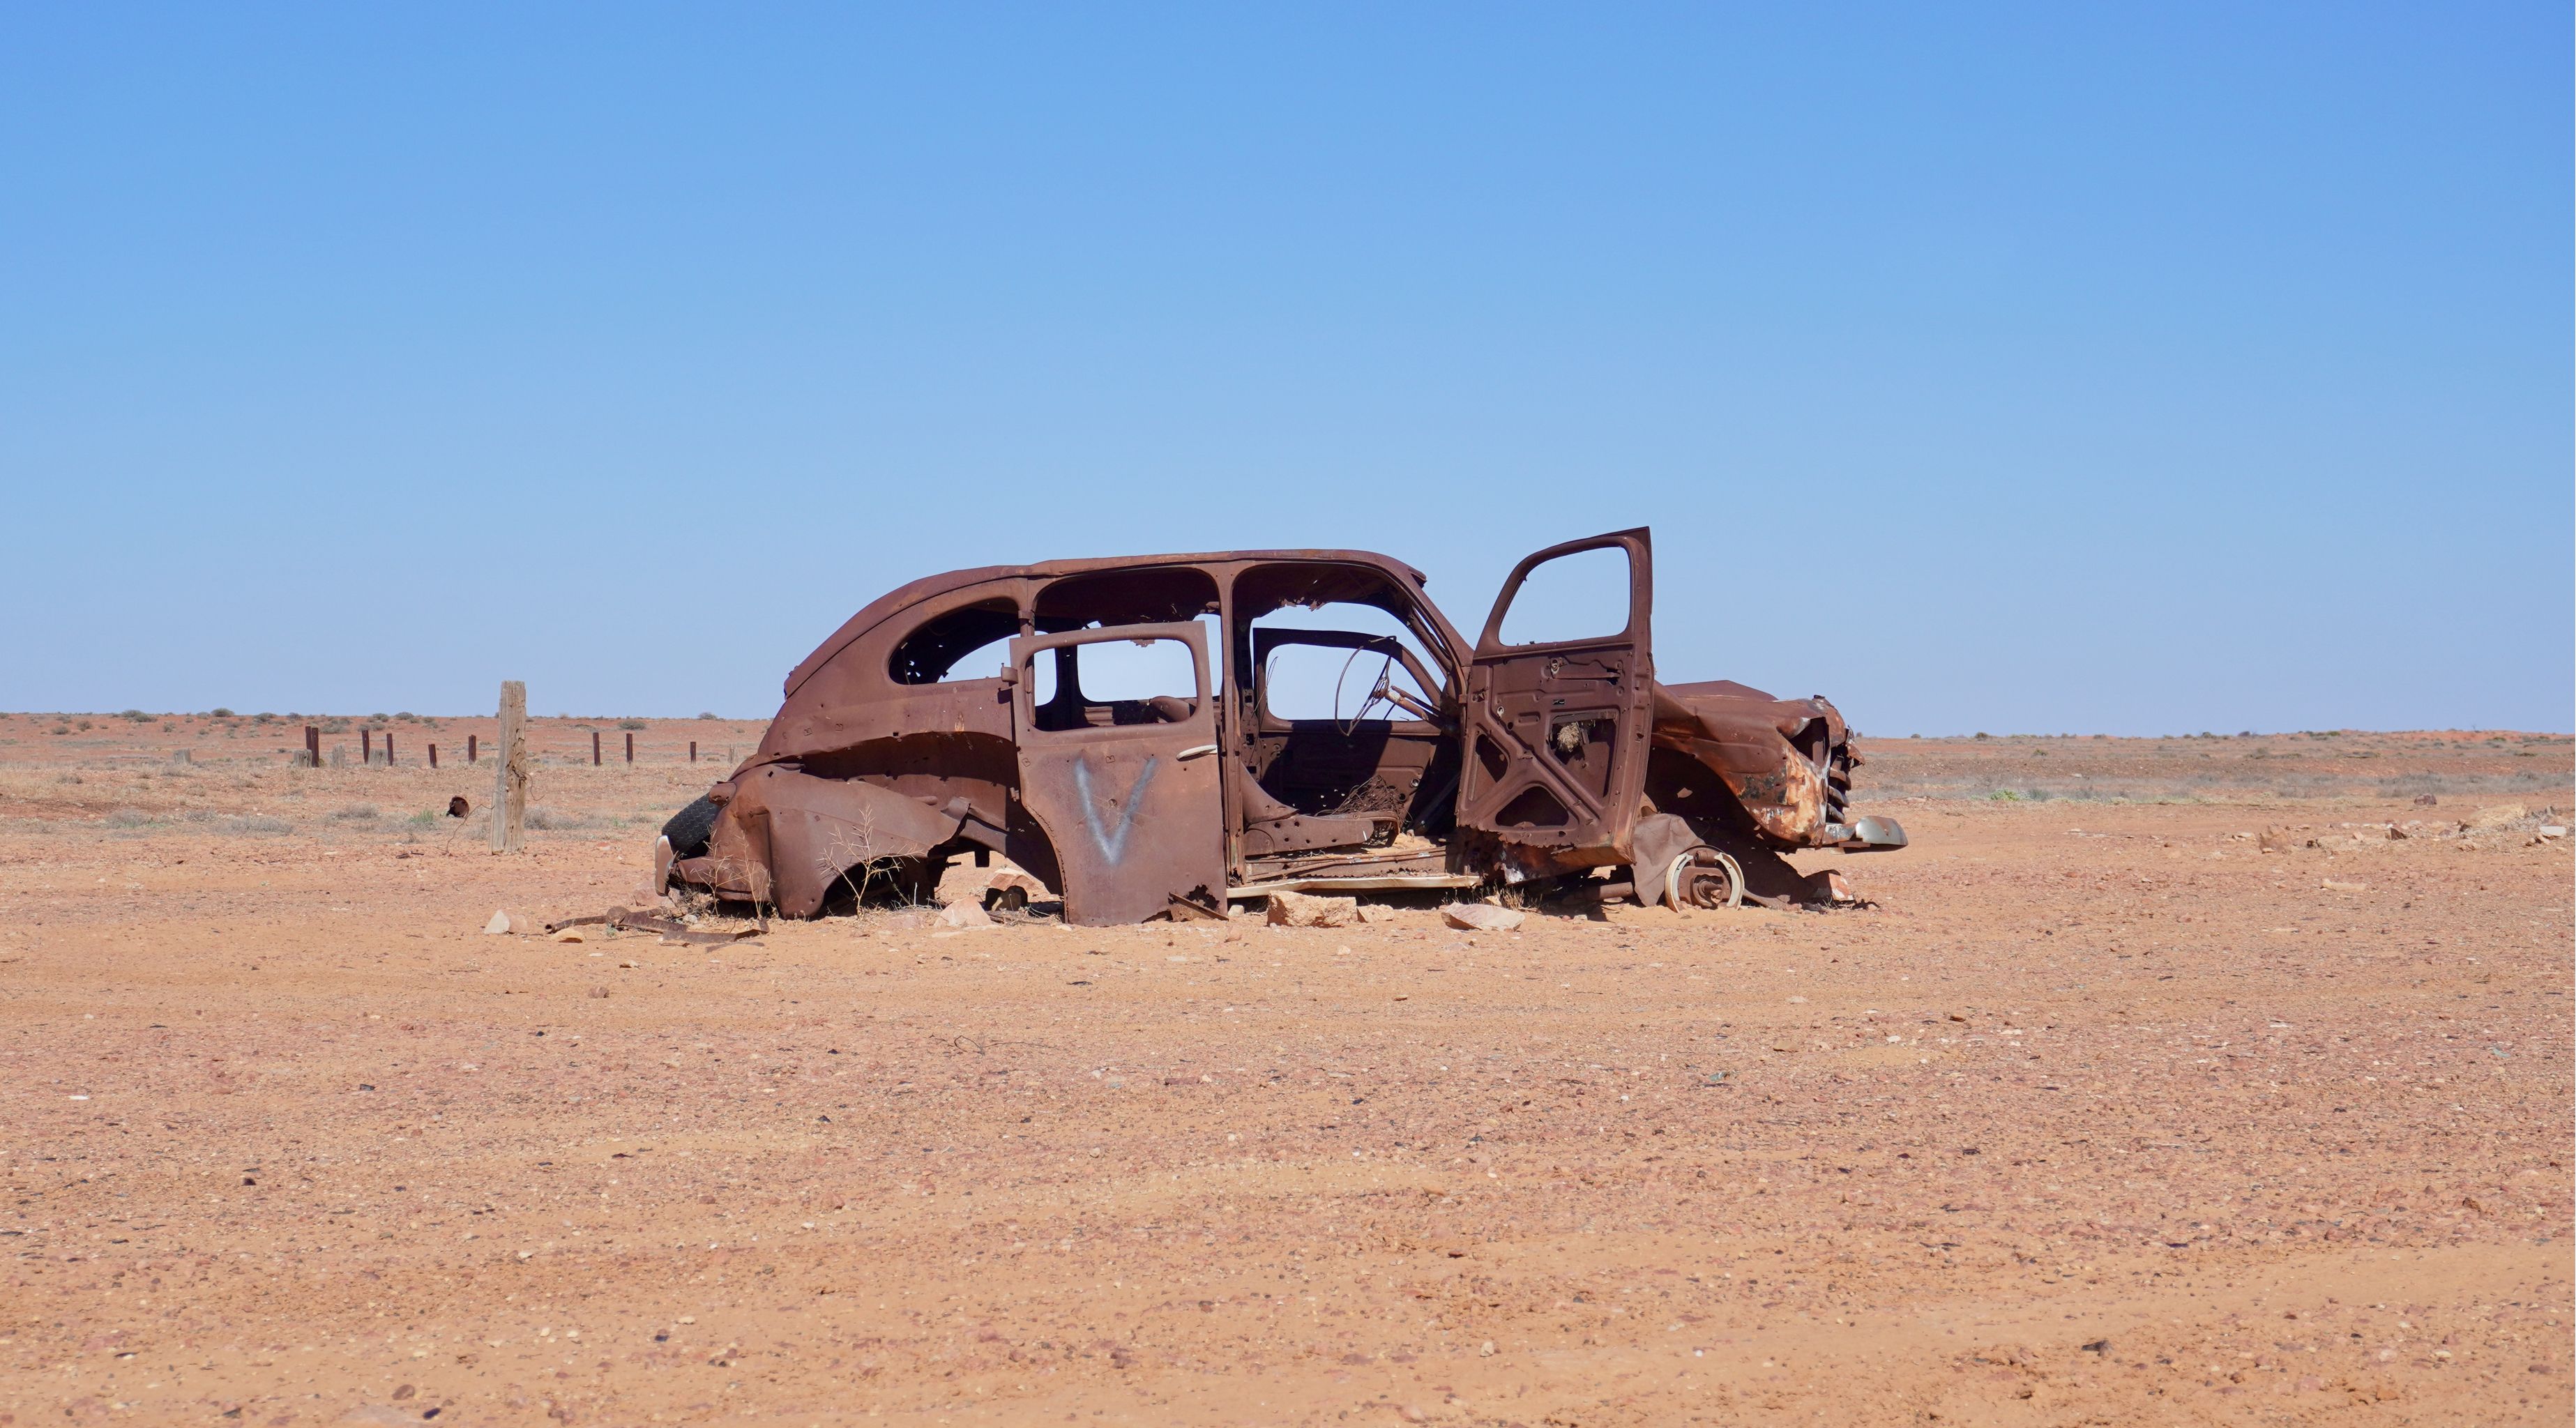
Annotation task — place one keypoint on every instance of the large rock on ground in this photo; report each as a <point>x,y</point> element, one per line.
<point>1003,883</point>
<point>1482,917</point>
<point>1296,909</point>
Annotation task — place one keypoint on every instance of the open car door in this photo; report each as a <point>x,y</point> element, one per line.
<point>1126,789</point>
<point>1559,706</point>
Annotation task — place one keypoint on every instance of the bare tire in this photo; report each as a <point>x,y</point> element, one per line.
<point>689,828</point>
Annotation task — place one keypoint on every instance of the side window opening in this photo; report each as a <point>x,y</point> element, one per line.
<point>1114,680</point>
<point>1579,596</point>
<point>1120,680</point>
<point>1355,640</point>
<point>1326,669</point>
<point>969,642</point>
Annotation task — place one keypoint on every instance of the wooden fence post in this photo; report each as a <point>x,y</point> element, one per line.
<point>594,748</point>
<point>693,751</point>
<point>313,745</point>
<point>389,748</point>
<point>471,749</point>
<point>433,756</point>
<point>630,748</point>
<point>366,747</point>
<point>510,771</point>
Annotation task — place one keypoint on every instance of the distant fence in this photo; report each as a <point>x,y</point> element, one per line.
<point>376,749</point>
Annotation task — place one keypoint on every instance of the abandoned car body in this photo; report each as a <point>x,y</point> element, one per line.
<point>952,718</point>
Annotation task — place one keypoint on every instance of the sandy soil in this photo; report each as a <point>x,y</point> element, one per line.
<point>2101,1114</point>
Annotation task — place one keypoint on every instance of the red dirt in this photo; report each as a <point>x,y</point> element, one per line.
<point>2099,1115</point>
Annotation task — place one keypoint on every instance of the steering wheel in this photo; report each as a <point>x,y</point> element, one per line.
<point>1378,692</point>
<point>1381,692</point>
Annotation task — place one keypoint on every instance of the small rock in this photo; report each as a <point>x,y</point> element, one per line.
<point>1482,917</point>
<point>2549,832</point>
<point>2426,800</point>
<point>968,913</point>
<point>504,924</point>
<point>2277,839</point>
<point>1376,912</point>
<point>1294,909</point>
<point>570,934</point>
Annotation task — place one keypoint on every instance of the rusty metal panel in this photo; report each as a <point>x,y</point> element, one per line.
<point>1557,732</point>
<point>788,837</point>
<point>1134,809</point>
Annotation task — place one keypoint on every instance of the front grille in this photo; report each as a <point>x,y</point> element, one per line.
<point>1838,786</point>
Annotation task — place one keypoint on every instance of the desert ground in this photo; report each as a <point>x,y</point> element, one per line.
<point>2157,1083</point>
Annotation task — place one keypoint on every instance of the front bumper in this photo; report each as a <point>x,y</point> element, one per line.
<point>1866,835</point>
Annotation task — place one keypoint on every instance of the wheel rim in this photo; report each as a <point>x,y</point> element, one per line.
<point>1703,877</point>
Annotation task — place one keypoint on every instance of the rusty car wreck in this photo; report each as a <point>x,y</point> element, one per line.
<point>951,719</point>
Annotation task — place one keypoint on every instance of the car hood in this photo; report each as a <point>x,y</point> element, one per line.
<point>1725,712</point>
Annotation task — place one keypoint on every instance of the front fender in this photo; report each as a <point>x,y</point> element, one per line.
<point>1776,756</point>
<point>783,837</point>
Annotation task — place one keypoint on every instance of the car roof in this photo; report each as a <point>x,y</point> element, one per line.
<point>911,593</point>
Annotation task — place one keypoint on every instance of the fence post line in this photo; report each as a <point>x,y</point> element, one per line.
<point>366,746</point>
<point>389,748</point>
<point>510,771</point>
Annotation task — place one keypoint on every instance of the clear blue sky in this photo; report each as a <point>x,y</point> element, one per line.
<point>2056,368</point>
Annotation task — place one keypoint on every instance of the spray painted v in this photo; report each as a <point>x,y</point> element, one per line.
<point>1112,844</point>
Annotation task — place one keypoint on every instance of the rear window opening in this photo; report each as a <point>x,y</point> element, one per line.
<point>969,642</point>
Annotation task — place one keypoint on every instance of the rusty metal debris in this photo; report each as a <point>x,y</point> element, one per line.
<point>671,930</point>
<point>950,718</point>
